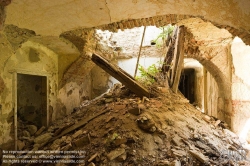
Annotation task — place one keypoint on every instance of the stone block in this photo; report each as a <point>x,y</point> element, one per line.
<point>122,157</point>
<point>85,140</point>
<point>199,156</point>
<point>115,153</point>
<point>135,111</point>
<point>26,133</point>
<point>120,141</point>
<point>43,138</point>
<point>32,129</point>
<point>40,130</point>
<point>20,145</point>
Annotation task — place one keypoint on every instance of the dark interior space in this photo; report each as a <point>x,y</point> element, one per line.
<point>186,85</point>
<point>32,99</point>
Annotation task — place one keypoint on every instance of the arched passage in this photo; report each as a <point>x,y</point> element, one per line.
<point>224,89</point>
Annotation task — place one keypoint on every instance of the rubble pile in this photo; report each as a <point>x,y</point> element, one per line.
<point>26,132</point>
<point>120,128</point>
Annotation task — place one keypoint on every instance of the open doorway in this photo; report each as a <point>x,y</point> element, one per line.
<point>187,84</point>
<point>31,100</point>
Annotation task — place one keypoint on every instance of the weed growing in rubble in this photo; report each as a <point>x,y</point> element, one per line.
<point>148,75</point>
<point>111,138</point>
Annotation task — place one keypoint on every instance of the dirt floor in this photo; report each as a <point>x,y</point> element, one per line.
<point>119,128</point>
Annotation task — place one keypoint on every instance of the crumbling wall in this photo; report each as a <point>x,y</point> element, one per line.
<point>241,88</point>
<point>24,53</point>
<point>211,47</point>
<point>32,59</point>
<point>126,14</point>
<point>126,44</point>
<point>6,107</point>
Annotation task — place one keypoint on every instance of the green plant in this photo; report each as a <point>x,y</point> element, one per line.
<point>166,31</point>
<point>148,75</point>
<point>111,138</point>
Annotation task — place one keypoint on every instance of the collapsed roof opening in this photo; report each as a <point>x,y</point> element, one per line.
<point>122,48</point>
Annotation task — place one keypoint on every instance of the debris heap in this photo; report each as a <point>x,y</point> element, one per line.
<point>120,128</point>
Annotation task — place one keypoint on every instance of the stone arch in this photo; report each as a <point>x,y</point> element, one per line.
<point>224,106</point>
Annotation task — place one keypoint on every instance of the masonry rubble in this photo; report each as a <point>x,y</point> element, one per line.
<point>166,130</point>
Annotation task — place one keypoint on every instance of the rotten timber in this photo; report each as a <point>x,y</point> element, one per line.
<point>178,60</point>
<point>120,75</point>
<point>77,125</point>
<point>170,52</point>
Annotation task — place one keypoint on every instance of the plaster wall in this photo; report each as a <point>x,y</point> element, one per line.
<point>48,57</point>
<point>6,114</point>
<point>31,58</point>
<point>100,81</point>
<point>241,88</point>
<point>72,94</point>
<point>75,86</point>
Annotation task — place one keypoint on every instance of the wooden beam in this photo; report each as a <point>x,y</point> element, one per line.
<point>78,125</point>
<point>138,58</point>
<point>120,75</point>
<point>170,52</point>
<point>179,59</point>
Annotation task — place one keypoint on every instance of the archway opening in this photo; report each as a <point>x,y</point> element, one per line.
<point>187,84</point>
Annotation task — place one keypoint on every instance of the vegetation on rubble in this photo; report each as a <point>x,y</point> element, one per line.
<point>166,32</point>
<point>149,75</point>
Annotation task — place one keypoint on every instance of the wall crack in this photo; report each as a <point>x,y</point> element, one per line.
<point>106,4</point>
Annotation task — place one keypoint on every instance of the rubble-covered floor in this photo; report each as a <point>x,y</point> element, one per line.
<point>119,128</point>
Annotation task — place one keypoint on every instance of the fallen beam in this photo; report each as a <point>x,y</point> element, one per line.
<point>78,125</point>
<point>120,75</point>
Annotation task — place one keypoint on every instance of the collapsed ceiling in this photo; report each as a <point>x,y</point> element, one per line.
<point>53,18</point>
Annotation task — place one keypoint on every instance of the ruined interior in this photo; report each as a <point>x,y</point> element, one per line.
<point>55,95</point>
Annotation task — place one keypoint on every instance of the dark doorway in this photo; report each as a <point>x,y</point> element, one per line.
<point>186,85</point>
<point>32,99</point>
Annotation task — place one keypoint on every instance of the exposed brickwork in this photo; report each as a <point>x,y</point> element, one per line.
<point>159,21</point>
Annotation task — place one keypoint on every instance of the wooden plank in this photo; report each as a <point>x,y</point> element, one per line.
<point>78,125</point>
<point>170,52</point>
<point>120,75</point>
<point>138,58</point>
<point>175,60</point>
<point>179,52</point>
